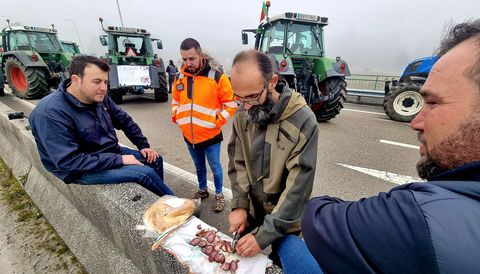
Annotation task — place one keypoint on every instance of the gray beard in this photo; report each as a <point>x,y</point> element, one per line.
<point>457,150</point>
<point>260,114</point>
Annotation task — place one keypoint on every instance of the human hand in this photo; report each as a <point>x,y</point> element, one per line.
<point>247,246</point>
<point>130,160</point>
<point>150,154</point>
<point>237,220</point>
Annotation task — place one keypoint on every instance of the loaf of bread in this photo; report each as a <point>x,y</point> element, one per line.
<point>167,212</point>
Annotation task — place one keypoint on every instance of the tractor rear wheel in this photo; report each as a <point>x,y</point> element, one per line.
<point>161,93</point>
<point>336,90</point>
<point>25,83</point>
<point>403,102</point>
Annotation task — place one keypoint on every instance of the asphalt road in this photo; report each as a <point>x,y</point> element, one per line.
<point>360,152</point>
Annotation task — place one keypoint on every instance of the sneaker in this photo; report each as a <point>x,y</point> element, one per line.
<point>200,194</point>
<point>219,204</point>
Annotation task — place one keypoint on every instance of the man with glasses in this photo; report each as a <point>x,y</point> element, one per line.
<point>272,157</point>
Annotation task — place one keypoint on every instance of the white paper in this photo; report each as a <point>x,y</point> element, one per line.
<point>134,76</point>
<point>175,202</point>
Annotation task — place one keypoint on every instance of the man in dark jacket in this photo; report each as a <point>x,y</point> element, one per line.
<point>430,227</point>
<point>172,70</point>
<point>74,128</point>
<point>272,156</point>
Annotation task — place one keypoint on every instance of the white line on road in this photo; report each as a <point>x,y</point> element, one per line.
<point>362,111</point>
<point>384,175</point>
<point>399,144</point>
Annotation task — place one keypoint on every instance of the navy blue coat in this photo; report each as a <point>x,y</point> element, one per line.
<point>73,137</point>
<point>431,227</point>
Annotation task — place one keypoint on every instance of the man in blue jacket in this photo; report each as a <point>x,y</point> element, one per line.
<point>74,128</point>
<point>431,227</point>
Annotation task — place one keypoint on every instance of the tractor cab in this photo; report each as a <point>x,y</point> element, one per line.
<point>296,42</point>
<point>70,47</point>
<point>129,45</point>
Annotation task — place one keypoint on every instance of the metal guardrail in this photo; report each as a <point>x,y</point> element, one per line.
<point>365,85</point>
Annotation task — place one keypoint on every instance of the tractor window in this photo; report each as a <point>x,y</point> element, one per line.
<point>304,39</point>
<point>265,38</point>
<point>131,45</point>
<point>69,47</point>
<point>18,41</point>
<point>277,36</point>
<point>44,42</point>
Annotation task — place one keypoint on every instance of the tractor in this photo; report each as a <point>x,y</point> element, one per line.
<point>402,100</point>
<point>133,65</point>
<point>70,47</point>
<point>295,43</point>
<point>33,60</point>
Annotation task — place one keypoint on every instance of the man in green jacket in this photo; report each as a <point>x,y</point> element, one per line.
<point>272,156</point>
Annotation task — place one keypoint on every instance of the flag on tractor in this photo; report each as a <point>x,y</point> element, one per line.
<point>264,11</point>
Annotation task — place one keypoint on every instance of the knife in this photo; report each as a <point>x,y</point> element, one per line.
<point>235,239</point>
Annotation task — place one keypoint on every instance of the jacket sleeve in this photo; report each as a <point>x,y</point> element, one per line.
<point>225,96</point>
<point>122,121</point>
<point>57,135</point>
<point>237,171</point>
<point>382,234</point>
<point>175,101</point>
<point>298,188</point>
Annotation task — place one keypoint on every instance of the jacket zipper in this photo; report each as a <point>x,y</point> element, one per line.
<point>191,113</point>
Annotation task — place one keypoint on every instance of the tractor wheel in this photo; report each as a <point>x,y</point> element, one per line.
<point>161,93</point>
<point>26,83</point>
<point>403,102</point>
<point>116,95</point>
<point>336,90</point>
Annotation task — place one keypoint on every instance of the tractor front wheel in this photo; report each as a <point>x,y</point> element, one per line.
<point>161,93</point>
<point>25,83</point>
<point>403,102</point>
<point>335,90</point>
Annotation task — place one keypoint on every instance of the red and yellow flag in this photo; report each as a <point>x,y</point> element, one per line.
<point>264,11</point>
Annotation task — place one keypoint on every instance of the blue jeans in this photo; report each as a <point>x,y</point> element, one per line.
<point>150,176</point>
<point>212,153</point>
<point>295,256</point>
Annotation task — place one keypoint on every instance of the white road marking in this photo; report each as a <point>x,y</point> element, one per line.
<point>384,175</point>
<point>362,111</point>
<point>399,144</point>
<point>174,170</point>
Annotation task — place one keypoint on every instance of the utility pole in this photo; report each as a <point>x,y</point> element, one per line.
<point>120,13</point>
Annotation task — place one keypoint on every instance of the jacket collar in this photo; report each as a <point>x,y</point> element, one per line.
<point>464,180</point>
<point>281,104</point>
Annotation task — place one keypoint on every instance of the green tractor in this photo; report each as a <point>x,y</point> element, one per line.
<point>133,65</point>
<point>296,42</point>
<point>33,60</point>
<point>70,47</point>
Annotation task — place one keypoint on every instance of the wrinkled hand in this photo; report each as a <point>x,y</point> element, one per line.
<point>130,160</point>
<point>237,220</point>
<point>150,154</point>
<point>247,246</point>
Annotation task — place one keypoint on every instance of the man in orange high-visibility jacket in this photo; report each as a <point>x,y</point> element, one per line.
<point>202,103</point>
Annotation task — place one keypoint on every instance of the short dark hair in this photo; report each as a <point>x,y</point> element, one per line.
<point>456,35</point>
<point>263,62</point>
<point>190,43</point>
<point>79,63</point>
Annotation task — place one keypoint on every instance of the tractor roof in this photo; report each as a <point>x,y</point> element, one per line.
<point>124,30</point>
<point>30,28</point>
<point>299,17</point>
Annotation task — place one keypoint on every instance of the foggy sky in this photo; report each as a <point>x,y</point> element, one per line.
<point>372,36</point>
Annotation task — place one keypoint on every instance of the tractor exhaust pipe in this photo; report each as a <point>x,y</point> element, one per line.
<point>101,22</point>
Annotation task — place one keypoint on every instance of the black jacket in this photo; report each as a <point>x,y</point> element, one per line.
<point>431,227</point>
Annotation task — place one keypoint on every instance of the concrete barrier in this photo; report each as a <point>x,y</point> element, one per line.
<point>96,222</point>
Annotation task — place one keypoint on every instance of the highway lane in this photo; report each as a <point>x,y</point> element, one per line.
<point>360,152</point>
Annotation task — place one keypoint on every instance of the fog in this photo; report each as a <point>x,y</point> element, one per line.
<point>372,36</point>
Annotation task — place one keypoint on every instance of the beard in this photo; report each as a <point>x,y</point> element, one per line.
<point>260,114</point>
<point>459,149</point>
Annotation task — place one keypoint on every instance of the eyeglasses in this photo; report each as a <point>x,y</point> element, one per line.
<point>250,99</point>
